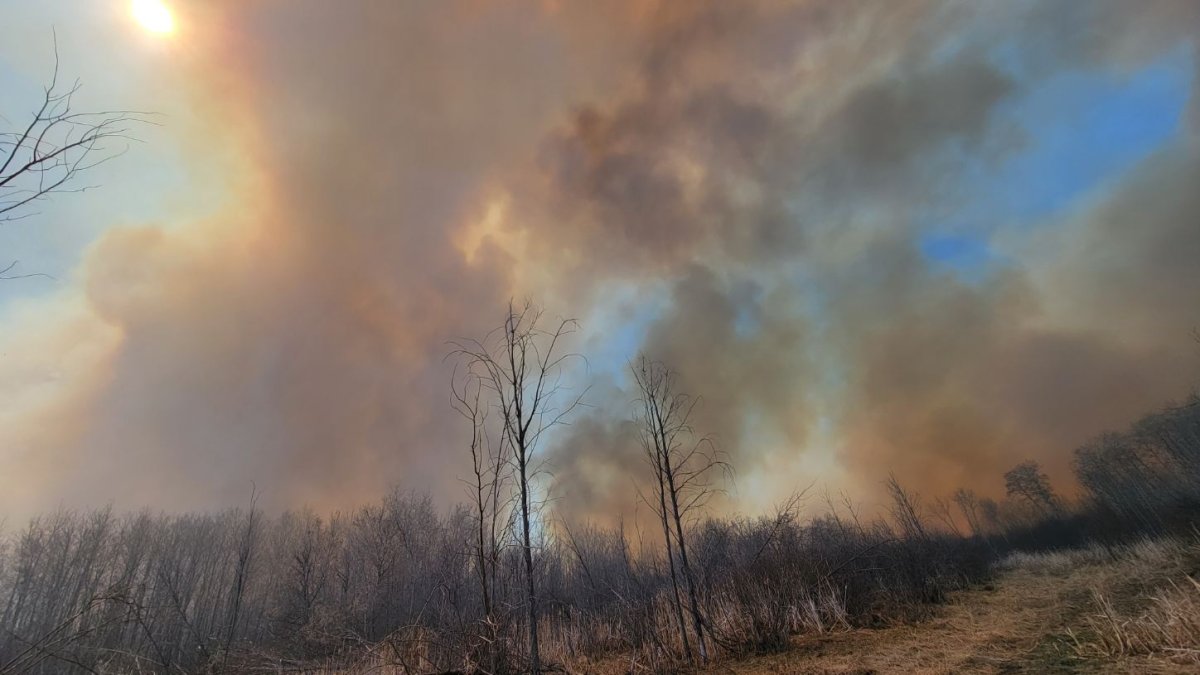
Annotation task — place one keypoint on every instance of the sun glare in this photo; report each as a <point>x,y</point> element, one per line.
<point>153,15</point>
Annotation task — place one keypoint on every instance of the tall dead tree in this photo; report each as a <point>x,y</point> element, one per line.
<point>652,448</point>
<point>521,366</point>
<point>490,499</point>
<point>684,469</point>
<point>465,399</point>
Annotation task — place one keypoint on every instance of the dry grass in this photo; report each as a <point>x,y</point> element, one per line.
<point>1159,626</point>
<point>1122,609</point>
<point>1170,626</point>
<point>1125,609</point>
<point>1146,554</point>
<point>1056,563</point>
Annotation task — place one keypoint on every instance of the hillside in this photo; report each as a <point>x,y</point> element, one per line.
<point>1130,609</point>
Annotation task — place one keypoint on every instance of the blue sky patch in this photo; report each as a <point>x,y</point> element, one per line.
<point>1080,130</point>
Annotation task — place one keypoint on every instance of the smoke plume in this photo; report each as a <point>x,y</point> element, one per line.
<point>746,192</point>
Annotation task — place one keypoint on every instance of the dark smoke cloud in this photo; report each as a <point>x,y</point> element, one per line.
<point>947,382</point>
<point>759,174</point>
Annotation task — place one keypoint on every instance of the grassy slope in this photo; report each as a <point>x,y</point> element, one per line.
<point>1043,614</point>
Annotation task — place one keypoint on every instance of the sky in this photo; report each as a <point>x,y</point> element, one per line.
<point>934,237</point>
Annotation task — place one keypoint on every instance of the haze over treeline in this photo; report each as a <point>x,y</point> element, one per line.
<point>936,238</point>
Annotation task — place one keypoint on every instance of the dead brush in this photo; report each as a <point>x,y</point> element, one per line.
<point>1169,626</point>
<point>763,619</point>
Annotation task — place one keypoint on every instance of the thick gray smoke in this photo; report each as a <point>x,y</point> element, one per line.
<point>740,191</point>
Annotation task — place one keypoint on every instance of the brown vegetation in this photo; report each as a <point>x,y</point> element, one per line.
<point>1077,611</point>
<point>501,586</point>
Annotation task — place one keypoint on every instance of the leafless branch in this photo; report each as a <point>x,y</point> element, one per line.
<point>58,145</point>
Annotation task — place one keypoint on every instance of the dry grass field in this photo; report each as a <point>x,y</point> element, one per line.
<point>1131,609</point>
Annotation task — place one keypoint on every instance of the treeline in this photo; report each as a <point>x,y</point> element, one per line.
<point>396,583</point>
<point>1146,478</point>
<point>1140,482</point>
<point>497,585</point>
<point>500,585</point>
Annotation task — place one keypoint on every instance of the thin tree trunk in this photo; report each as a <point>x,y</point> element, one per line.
<point>697,620</point>
<point>534,658</point>
<point>662,501</point>
<point>482,562</point>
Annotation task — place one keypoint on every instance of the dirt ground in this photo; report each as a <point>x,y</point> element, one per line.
<point>1033,618</point>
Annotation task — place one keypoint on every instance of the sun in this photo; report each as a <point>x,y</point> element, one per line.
<point>153,15</point>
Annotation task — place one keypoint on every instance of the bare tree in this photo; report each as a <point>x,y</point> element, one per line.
<point>58,144</point>
<point>490,498</point>
<point>521,365</point>
<point>906,508</point>
<point>944,511</point>
<point>1027,481</point>
<point>651,446</point>
<point>465,399</point>
<point>968,504</point>
<point>307,548</point>
<point>684,469</point>
<point>241,577</point>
